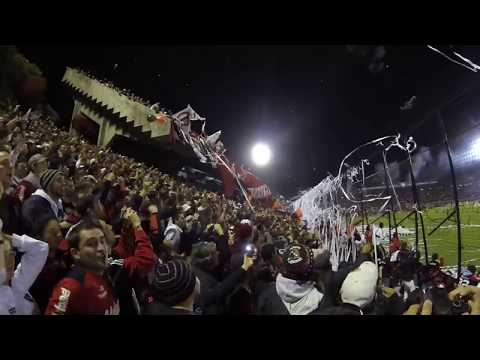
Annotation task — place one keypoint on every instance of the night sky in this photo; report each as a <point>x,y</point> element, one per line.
<point>311,104</point>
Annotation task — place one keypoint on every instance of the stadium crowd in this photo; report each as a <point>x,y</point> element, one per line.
<point>88,231</point>
<point>126,92</point>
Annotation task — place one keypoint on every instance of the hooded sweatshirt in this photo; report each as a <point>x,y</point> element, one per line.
<point>300,298</point>
<point>15,298</point>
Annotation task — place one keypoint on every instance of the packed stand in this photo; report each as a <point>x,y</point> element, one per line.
<point>126,92</point>
<point>87,231</point>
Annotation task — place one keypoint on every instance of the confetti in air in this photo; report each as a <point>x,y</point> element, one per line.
<point>409,104</point>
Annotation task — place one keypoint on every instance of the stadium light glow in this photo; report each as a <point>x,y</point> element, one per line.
<point>261,154</point>
<point>475,149</point>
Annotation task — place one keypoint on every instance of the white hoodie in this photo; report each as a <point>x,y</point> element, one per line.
<point>15,299</point>
<point>300,298</point>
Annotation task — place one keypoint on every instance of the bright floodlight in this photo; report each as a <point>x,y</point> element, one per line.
<point>261,154</point>
<point>475,149</point>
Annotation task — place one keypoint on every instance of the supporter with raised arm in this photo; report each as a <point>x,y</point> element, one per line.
<point>134,259</point>
<point>214,292</point>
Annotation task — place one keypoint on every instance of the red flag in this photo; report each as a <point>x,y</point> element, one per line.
<point>256,187</point>
<point>227,178</point>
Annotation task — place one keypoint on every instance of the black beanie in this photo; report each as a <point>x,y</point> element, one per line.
<point>48,177</point>
<point>173,282</point>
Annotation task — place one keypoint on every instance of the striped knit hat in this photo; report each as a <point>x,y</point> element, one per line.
<point>48,177</point>
<point>173,282</point>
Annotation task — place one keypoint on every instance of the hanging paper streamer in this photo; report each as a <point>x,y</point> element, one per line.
<point>329,216</point>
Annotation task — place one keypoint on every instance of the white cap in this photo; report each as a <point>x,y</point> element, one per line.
<point>359,287</point>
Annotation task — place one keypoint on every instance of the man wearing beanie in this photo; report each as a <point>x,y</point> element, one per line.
<point>294,291</point>
<point>173,288</point>
<point>45,201</point>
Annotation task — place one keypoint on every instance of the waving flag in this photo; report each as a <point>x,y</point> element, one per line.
<point>256,187</point>
<point>228,180</point>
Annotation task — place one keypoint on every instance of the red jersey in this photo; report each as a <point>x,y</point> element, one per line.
<point>83,293</point>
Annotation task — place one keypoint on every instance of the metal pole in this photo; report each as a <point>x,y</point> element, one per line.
<point>388,193</point>
<point>362,208</point>
<point>416,231</point>
<point>417,208</point>
<point>455,195</point>
<point>406,217</point>
<point>424,239</point>
<point>443,222</point>
<point>389,227</point>
<point>395,222</point>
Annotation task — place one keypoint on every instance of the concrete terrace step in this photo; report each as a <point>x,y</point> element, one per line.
<point>121,106</point>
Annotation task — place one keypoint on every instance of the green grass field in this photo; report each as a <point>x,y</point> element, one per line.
<point>444,240</point>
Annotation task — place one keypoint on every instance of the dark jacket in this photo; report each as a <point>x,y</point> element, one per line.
<point>406,265</point>
<point>343,309</point>
<point>189,238</point>
<point>213,293</point>
<point>157,308</point>
<point>33,208</point>
<point>55,269</point>
<point>269,303</point>
<point>241,302</point>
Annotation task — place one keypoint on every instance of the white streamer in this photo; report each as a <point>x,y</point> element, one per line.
<point>325,217</point>
<point>474,67</point>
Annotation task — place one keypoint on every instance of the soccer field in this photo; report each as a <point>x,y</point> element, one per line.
<point>444,240</point>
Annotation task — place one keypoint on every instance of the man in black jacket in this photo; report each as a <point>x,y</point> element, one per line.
<point>214,293</point>
<point>47,200</point>
<point>406,269</point>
